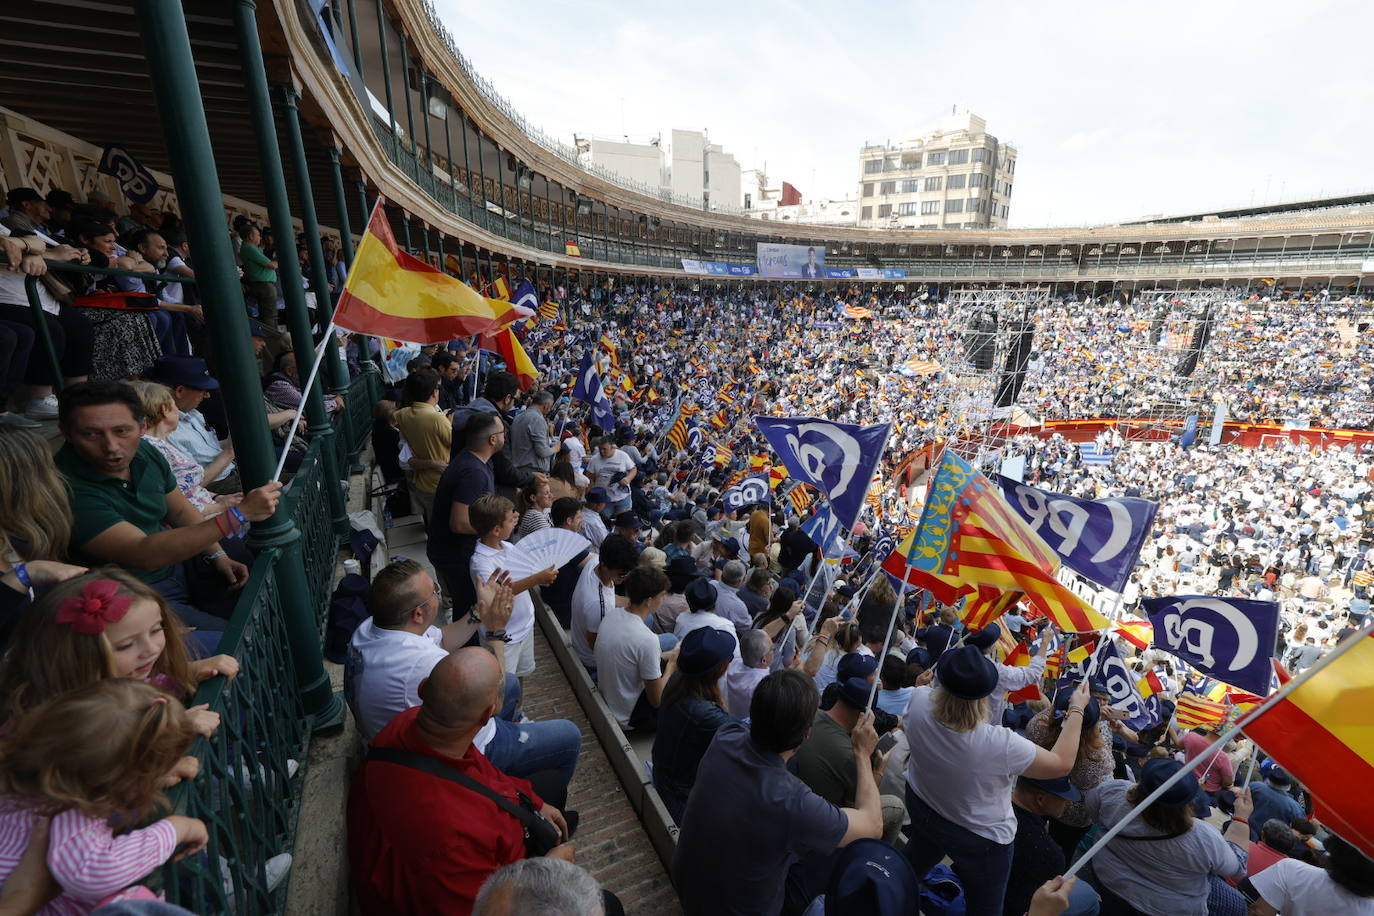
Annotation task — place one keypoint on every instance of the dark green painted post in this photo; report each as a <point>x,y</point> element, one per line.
<point>357,46</point>
<point>410,108</point>
<point>364,205</point>
<point>167,48</point>
<point>345,229</point>
<point>333,371</point>
<point>405,231</point>
<point>386,75</point>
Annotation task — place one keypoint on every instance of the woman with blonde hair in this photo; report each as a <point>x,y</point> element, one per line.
<point>35,524</point>
<point>161,418</point>
<point>961,772</point>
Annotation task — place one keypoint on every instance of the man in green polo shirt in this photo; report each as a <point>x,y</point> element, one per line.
<point>126,507</point>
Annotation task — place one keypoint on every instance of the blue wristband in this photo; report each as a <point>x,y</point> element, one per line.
<point>21,571</point>
<point>238,516</point>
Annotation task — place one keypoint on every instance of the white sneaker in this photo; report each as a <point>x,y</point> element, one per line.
<point>275,868</point>
<point>42,408</point>
<point>18,420</point>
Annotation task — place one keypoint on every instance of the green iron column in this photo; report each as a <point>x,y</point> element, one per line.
<point>333,372</point>
<point>345,228</point>
<point>167,48</point>
<point>365,207</point>
<point>301,625</point>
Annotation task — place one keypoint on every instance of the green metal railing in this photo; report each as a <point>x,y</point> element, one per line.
<point>253,771</point>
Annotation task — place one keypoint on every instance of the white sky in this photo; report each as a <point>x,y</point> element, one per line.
<point>1118,110</point>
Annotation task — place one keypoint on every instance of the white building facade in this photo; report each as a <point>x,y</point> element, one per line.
<point>956,177</point>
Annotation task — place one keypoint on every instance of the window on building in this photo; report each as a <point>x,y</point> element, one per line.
<point>911,160</point>
<point>1011,166</point>
<point>930,206</point>
<point>888,187</point>
<point>1004,211</point>
<point>935,158</point>
<point>873,165</point>
<point>908,209</point>
<point>930,225</point>
<point>868,189</point>
<point>954,206</point>
<point>935,183</point>
<point>866,213</point>
<point>980,155</point>
<point>976,180</point>
<point>884,210</point>
<point>910,186</point>
<point>893,164</point>
<point>958,156</point>
<point>1008,190</point>
<point>956,182</point>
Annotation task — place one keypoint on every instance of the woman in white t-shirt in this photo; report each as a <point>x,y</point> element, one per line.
<point>1294,888</point>
<point>961,772</point>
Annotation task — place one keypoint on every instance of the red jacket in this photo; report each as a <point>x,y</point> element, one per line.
<point>419,844</point>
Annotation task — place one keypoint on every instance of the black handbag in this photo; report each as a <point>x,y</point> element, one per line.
<point>540,835</point>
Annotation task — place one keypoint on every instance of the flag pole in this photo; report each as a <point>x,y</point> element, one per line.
<point>305,394</point>
<point>887,640</point>
<point>1250,763</point>
<point>1230,733</point>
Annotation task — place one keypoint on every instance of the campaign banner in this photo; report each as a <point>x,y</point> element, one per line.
<point>716,268</point>
<point>841,273</point>
<point>1098,538</point>
<point>801,262</point>
<point>836,458</point>
<point>869,273</point>
<point>1230,639</point>
<point>1119,681</point>
<point>748,492</point>
<point>692,266</point>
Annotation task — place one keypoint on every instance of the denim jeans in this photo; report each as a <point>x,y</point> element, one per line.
<point>1083,900</point>
<point>528,747</point>
<point>510,699</point>
<point>983,866</point>
<point>208,628</point>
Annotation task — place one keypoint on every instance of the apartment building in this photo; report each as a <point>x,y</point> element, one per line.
<point>955,177</point>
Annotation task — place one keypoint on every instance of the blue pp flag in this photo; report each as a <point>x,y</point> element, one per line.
<point>1231,639</point>
<point>526,296</point>
<point>883,545</point>
<point>1098,538</point>
<point>750,491</point>
<point>1189,432</point>
<point>824,530</point>
<point>1152,715</point>
<point>836,458</point>
<point>588,388</point>
<point>1119,681</point>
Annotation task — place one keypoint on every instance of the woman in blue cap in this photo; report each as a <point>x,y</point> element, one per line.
<point>1163,863</point>
<point>961,772</point>
<point>689,714</point>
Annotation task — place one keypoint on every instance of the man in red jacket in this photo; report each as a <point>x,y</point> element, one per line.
<point>419,843</point>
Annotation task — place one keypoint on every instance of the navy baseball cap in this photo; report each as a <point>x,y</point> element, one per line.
<point>870,878</point>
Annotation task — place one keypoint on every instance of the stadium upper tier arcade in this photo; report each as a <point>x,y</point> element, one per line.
<point>385,91</point>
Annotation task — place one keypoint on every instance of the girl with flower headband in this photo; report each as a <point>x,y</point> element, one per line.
<point>104,624</point>
<point>89,757</point>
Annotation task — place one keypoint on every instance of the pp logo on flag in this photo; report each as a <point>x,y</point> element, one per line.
<point>828,455</point>
<point>1212,630</point>
<point>747,492</point>
<point>696,440</point>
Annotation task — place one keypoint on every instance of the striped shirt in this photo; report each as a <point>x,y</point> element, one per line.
<point>85,857</point>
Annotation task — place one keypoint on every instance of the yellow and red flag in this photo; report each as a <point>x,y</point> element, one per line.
<point>719,421</point>
<point>1323,734</point>
<point>801,497</point>
<point>1193,711</point>
<point>970,535</point>
<point>499,289</point>
<point>776,475</point>
<point>548,311</point>
<point>986,606</point>
<point>1136,632</point>
<point>390,293</point>
<point>1149,685</point>
<point>572,250</point>
<point>1020,657</point>
<point>505,344</point>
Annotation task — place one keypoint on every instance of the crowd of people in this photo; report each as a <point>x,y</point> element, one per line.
<point>821,750</point>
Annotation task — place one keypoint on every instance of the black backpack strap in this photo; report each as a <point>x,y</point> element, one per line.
<point>426,764</point>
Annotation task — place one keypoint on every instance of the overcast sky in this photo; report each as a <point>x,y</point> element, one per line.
<point>1118,110</point>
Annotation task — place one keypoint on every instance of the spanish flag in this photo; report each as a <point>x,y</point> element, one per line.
<point>572,250</point>
<point>504,344</point>
<point>1149,685</point>
<point>719,421</point>
<point>1021,657</point>
<point>1136,632</point>
<point>390,293</point>
<point>1323,734</point>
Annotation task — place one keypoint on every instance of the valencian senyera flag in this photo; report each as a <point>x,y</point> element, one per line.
<point>969,536</point>
<point>390,293</point>
<point>1231,639</point>
<point>1097,538</point>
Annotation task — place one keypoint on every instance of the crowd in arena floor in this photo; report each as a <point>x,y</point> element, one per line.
<point>698,624</point>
